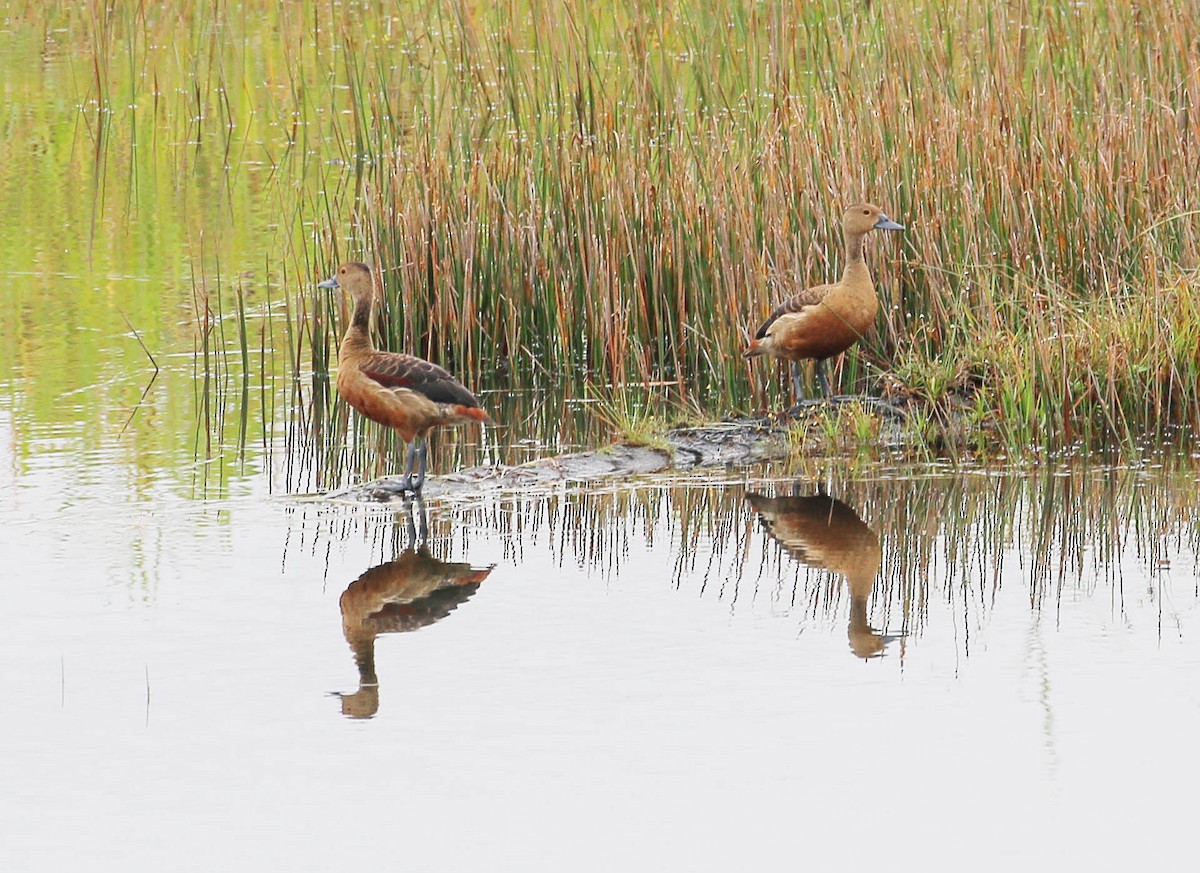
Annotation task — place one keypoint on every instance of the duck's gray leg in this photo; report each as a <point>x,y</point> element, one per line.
<point>823,380</point>
<point>422,461</point>
<point>797,388</point>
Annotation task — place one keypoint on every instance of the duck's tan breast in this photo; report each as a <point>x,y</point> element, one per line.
<point>828,328</point>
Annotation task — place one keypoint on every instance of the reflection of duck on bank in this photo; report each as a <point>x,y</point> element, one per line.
<point>414,590</point>
<point>824,533</point>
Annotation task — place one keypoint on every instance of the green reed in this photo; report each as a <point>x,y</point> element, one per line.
<point>616,195</point>
<point>604,200</point>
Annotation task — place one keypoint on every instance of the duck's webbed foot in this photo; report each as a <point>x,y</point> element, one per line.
<point>390,489</point>
<point>414,472</point>
<point>407,484</point>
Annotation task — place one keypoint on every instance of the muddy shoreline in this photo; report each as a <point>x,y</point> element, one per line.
<point>736,442</point>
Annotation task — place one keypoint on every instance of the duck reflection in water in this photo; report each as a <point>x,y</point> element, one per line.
<point>826,534</point>
<point>406,594</point>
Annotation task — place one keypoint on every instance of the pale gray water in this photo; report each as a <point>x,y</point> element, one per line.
<point>644,681</point>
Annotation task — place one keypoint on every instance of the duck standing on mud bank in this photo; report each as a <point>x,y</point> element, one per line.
<point>397,390</point>
<point>825,320</point>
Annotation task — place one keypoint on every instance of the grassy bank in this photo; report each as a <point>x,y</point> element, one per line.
<point>602,201</point>
<point>618,195</point>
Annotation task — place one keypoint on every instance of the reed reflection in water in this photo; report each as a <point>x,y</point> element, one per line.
<point>406,594</point>
<point>939,547</point>
<point>826,534</point>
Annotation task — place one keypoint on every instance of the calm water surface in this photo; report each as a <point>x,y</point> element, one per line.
<point>662,673</point>
<point>926,668</point>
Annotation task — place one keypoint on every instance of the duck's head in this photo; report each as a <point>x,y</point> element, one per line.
<point>354,278</point>
<point>864,217</point>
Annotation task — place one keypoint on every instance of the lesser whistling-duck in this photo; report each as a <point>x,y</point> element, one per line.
<point>825,320</point>
<point>397,390</point>
<point>823,532</point>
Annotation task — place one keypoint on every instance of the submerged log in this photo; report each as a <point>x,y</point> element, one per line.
<point>730,443</point>
<point>737,442</point>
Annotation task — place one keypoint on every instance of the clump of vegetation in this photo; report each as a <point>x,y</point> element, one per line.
<point>639,416</point>
<point>1056,368</point>
<point>616,194</point>
<point>577,194</point>
<point>851,428</point>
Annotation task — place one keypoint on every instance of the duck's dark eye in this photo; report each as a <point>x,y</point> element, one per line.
<point>866,212</point>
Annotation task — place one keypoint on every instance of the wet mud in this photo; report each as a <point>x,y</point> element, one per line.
<point>733,443</point>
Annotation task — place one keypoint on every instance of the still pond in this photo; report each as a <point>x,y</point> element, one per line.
<point>806,663</point>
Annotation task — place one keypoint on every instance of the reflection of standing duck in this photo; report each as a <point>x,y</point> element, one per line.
<point>826,534</point>
<point>403,595</point>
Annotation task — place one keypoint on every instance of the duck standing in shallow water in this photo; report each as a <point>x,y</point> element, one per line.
<point>397,390</point>
<point>825,320</point>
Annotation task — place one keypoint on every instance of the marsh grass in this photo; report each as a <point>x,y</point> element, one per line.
<point>615,195</point>
<point>642,415</point>
<point>579,199</point>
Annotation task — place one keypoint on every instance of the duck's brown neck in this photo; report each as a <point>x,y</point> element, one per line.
<point>858,611</point>
<point>358,335</point>
<point>854,246</point>
<point>363,647</point>
<point>856,265</point>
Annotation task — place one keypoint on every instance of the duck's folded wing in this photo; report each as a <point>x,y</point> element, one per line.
<point>415,374</point>
<point>794,305</point>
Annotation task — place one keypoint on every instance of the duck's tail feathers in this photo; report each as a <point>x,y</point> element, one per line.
<point>476,412</point>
